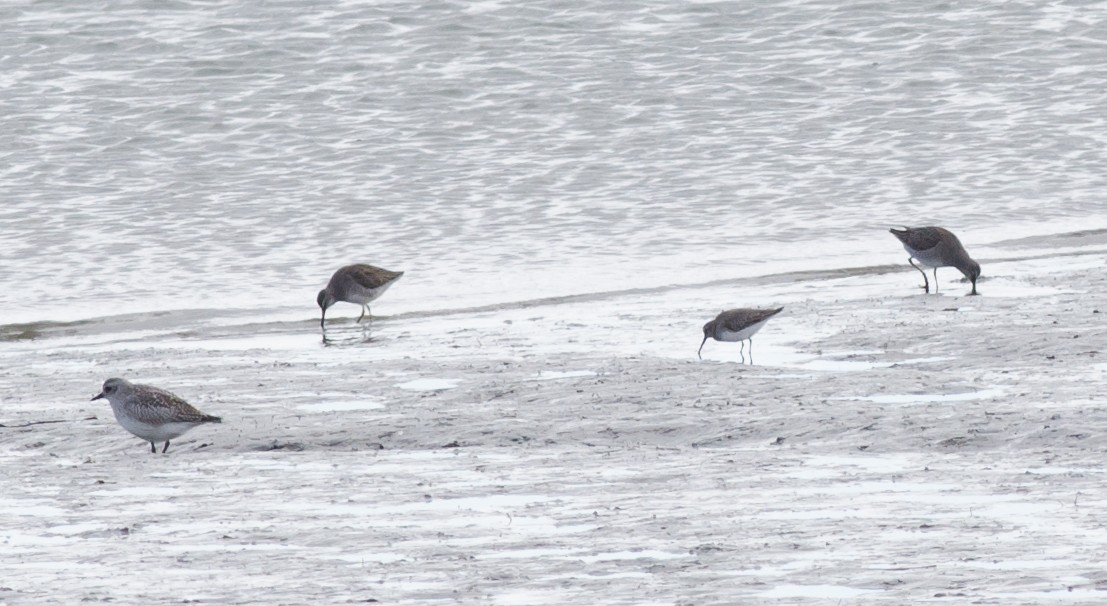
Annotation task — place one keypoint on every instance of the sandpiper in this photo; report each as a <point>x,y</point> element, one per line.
<point>937,247</point>
<point>150,413</point>
<point>359,284</point>
<point>737,325</point>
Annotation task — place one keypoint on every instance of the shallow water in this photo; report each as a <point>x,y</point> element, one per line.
<point>219,156</point>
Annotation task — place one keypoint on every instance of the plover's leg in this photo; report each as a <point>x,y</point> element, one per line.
<point>363,307</point>
<point>935,280</point>
<point>926,283</point>
<point>153,448</point>
<point>370,315</point>
<point>751,350</point>
<point>166,447</point>
<point>742,350</point>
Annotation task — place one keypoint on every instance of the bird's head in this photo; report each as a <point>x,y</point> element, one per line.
<point>112,387</point>
<point>324,300</point>
<point>973,274</point>
<point>709,329</point>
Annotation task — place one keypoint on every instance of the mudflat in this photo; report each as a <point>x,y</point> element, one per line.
<point>885,447</point>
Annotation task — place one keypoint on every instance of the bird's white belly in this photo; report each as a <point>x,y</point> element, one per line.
<point>154,433</point>
<point>929,258</point>
<point>364,296</point>
<point>740,335</point>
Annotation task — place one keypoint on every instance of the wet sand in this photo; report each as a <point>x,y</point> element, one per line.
<point>887,446</point>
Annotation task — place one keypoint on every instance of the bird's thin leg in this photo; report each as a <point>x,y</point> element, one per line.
<point>751,350</point>
<point>370,315</point>
<point>166,447</point>
<point>926,283</point>
<point>362,314</point>
<point>742,350</point>
<point>153,448</point>
<point>935,280</point>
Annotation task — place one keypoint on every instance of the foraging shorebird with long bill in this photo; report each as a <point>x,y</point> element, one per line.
<point>359,284</point>
<point>737,325</point>
<point>937,247</point>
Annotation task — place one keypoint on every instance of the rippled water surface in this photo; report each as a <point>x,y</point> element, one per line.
<point>217,155</point>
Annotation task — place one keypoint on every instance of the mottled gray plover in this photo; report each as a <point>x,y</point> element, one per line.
<point>360,284</point>
<point>150,413</point>
<point>737,325</point>
<point>936,247</point>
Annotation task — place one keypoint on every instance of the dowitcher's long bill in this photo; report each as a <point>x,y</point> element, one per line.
<point>153,414</point>
<point>936,247</point>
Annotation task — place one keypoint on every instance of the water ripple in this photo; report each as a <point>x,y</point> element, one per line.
<point>198,154</point>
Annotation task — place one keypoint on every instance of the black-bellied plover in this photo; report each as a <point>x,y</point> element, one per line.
<point>360,284</point>
<point>936,247</point>
<point>737,325</point>
<point>153,414</point>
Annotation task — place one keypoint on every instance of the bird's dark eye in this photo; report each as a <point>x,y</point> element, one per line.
<point>109,389</point>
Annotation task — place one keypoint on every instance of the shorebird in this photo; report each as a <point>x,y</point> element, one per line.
<point>150,413</point>
<point>737,325</point>
<point>936,247</point>
<point>360,284</point>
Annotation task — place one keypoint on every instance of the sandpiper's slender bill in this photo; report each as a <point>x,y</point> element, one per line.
<point>936,247</point>
<point>360,284</point>
<point>737,325</point>
<point>153,414</point>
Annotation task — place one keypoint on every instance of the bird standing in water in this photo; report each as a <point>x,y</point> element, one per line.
<point>360,284</point>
